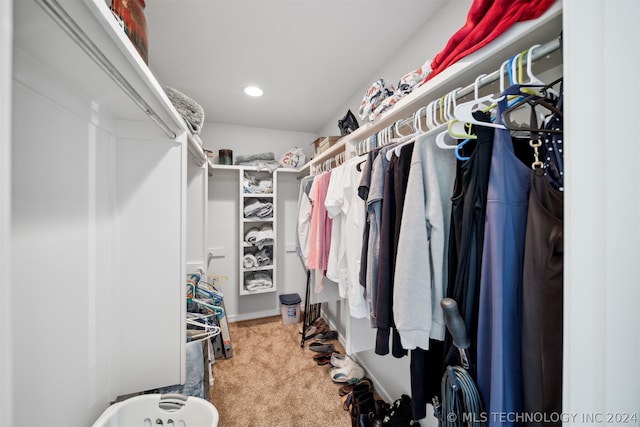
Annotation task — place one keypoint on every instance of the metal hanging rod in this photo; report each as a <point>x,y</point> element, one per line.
<point>58,14</point>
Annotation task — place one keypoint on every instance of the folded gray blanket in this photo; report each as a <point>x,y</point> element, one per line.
<point>269,165</point>
<point>252,157</point>
<point>190,110</point>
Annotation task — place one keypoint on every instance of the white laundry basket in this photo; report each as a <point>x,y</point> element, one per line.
<point>153,410</point>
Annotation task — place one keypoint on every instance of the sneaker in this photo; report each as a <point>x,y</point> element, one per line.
<point>350,374</point>
<point>340,360</point>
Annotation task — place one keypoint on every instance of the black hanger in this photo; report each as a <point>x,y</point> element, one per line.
<point>533,101</point>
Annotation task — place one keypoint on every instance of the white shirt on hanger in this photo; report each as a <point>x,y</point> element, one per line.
<point>333,202</point>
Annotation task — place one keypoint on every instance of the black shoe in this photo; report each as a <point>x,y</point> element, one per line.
<point>400,413</point>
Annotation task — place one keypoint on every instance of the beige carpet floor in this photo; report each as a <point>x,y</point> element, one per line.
<point>272,381</point>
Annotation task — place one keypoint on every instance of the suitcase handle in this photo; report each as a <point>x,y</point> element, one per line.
<point>454,323</point>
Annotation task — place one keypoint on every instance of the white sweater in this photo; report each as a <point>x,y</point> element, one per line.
<point>421,264</point>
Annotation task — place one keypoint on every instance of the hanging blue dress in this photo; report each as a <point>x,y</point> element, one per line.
<point>499,368</point>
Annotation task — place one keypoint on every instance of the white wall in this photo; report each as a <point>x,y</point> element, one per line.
<point>245,140</point>
<point>223,227</point>
<point>6,378</point>
<point>602,207</point>
<point>423,46</point>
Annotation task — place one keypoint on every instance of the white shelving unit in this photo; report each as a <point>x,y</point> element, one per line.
<point>249,223</point>
<point>221,220</point>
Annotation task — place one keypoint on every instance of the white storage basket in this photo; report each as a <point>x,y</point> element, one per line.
<point>153,410</point>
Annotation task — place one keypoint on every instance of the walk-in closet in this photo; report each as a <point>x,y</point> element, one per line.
<point>310,213</point>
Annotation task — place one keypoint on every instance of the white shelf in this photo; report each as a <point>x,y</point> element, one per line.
<point>263,268</point>
<point>259,291</point>
<point>249,245</point>
<point>257,195</point>
<point>247,223</point>
<point>287,170</point>
<point>257,219</point>
<point>96,30</point>
<point>250,168</point>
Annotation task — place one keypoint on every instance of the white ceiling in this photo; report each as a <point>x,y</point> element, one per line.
<point>309,56</point>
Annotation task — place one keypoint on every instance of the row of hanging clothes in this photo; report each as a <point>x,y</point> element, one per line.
<point>467,205</point>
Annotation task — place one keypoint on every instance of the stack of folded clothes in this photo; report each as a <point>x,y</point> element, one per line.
<point>259,236</point>
<point>258,209</point>
<point>253,185</point>
<point>262,161</point>
<point>260,258</point>
<point>257,281</point>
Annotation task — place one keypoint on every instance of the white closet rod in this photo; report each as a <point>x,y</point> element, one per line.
<point>53,9</point>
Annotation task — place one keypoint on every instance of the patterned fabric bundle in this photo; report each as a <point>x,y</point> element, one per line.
<point>381,96</point>
<point>378,92</point>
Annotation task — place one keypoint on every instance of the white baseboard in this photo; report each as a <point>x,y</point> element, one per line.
<point>253,316</point>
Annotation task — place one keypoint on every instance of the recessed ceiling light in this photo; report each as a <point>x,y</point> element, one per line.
<point>253,91</point>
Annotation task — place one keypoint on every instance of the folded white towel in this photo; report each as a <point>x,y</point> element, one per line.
<point>257,281</point>
<point>250,261</point>
<point>253,235</point>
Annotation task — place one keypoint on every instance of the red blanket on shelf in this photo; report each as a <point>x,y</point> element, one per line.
<point>486,20</point>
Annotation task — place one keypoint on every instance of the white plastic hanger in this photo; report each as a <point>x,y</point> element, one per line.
<point>431,113</point>
<point>397,127</point>
<point>517,68</point>
<point>401,142</point>
<point>533,80</point>
<point>381,137</point>
<point>207,331</point>
<point>464,112</point>
<point>444,139</point>
<point>403,139</point>
<point>417,123</point>
<point>432,122</point>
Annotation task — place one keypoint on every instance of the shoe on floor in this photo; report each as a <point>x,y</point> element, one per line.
<point>327,355</point>
<point>323,358</point>
<point>322,347</point>
<point>309,332</point>
<point>345,389</point>
<point>341,360</point>
<point>327,335</point>
<point>350,374</point>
